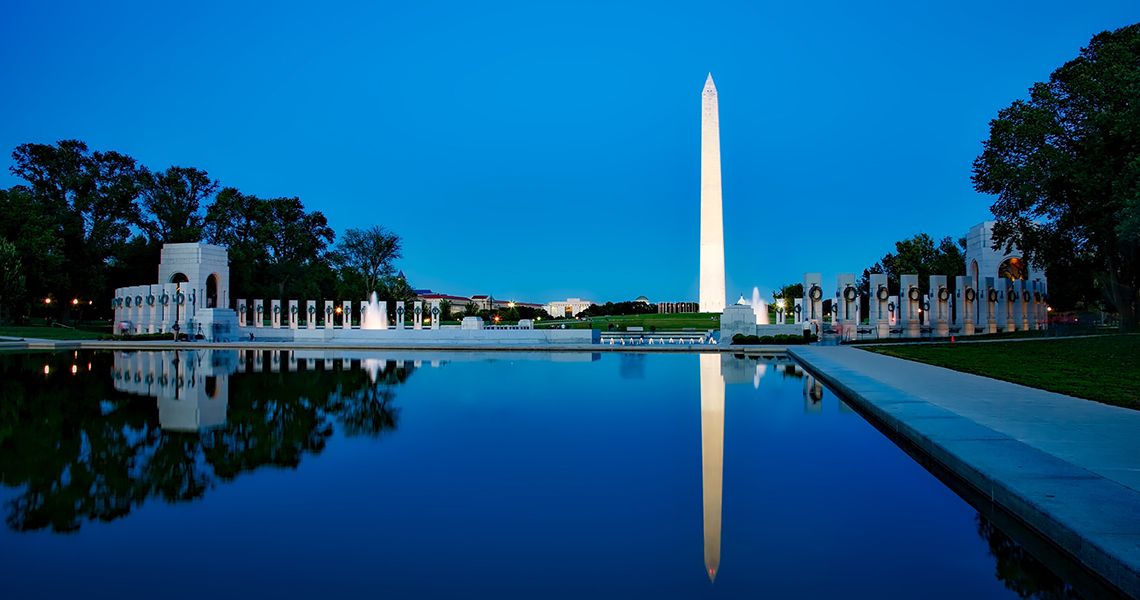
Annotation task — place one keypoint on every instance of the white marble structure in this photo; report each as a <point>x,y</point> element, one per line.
<point>192,293</point>
<point>712,291</point>
<point>294,314</point>
<point>983,261</point>
<point>417,315</point>
<point>567,308</point>
<point>399,314</point>
<point>275,313</point>
<point>737,318</point>
<point>436,314</point>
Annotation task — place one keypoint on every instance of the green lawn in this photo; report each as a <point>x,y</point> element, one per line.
<point>1103,368</point>
<point>53,333</point>
<point>670,322</point>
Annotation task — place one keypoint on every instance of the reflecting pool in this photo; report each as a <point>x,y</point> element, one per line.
<point>271,473</point>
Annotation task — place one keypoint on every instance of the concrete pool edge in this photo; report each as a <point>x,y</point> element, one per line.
<point>1093,519</point>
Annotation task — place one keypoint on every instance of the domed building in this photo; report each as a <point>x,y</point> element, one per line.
<point>643,300</point>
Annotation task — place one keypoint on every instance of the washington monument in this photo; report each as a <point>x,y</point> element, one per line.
<point>712,226</point>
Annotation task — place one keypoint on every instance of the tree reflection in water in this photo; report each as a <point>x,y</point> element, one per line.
<point>82,450</point>
<point>1021,573</point>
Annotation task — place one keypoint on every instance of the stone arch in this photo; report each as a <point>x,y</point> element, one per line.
<point>1013,268</point>
<point>179,278</point>
<point>212,291</point>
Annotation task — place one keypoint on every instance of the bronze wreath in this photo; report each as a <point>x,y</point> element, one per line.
<point>914,294</point>
<point>883,293</point>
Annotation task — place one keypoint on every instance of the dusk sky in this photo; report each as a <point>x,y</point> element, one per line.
<point>539,150</point>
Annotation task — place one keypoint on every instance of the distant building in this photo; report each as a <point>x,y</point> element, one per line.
<point>678,307</point>
<point>643,300</point>
<point>482,301</point>
<point>983,261</point>
<point>567,308</point>
<point>458,303</point>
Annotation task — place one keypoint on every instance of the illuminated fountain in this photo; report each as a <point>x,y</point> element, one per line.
<point>372,316</point>
<point>759,306</point>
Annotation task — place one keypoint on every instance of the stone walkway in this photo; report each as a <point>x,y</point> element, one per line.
<point>1067,467</point>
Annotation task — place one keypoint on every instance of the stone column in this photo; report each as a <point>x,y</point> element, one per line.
<point>1025,302</point>
<point>400,315</point>
<point>258,313</point>
<point>940,299</point>
<point>346,314</point>
<point>1006,299</point>
<point>329,312</point>
<point>436,314</point>
<point>989,298</point>
<point>417,315</point>
<point>152,293</point>
<point>310,314</point>
<point>798,310</point>
<point>912,302</point>
<point>968,297</point>
<point>813,299</point>
<point>243,312</point>
<point>880,301</point>
<point>294,314</point>
<point>275,314</point>
<point>847,296</point>
<point>1031,290</point>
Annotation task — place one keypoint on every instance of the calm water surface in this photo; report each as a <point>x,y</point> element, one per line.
<point>261,474</point>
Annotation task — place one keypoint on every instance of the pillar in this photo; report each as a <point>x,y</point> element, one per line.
<point>417,315</point>
<point>294,315</point>
<point>880,302</point>
<point>967,296</point>
<point>400,315</point>
<point>243,312</point>
<point>940,299</point>
<point>275,307</point>
<point>436,314</point>
<point>912,298</point>
<point>310,314</point>
<point>259,312</point>
<point>329,311</point>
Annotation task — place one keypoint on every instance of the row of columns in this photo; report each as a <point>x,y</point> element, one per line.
<point>989,306</point>
<point>329,314</point>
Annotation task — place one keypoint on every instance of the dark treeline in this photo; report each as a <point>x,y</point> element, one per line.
<point>86,222</point>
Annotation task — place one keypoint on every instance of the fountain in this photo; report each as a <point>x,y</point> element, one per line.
<point>760,307</point>
<point>371,317</point>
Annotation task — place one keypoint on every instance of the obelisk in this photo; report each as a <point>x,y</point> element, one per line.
<point>712,294</point>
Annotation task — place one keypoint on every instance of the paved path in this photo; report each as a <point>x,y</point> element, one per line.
<point>1069,468</point>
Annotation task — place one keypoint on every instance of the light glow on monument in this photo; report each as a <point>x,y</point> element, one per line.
<point>712,293</point>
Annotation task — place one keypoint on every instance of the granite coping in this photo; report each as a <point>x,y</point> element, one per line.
<point>1068,468</point>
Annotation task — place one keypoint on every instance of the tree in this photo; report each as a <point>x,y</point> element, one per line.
<point>370,253</point>
<point>11,276</point>
<point>918,255</point>
<point>171,203</point>
<point>1065,167</point>
<point>90,200</point>
<point>35,235</point>
<point>276,247</point>
<point>789,292</point>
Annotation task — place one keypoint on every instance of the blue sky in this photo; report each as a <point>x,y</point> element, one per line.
<point>540,150</point>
